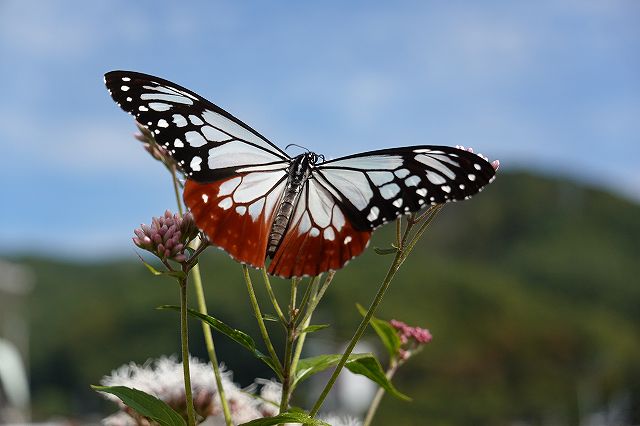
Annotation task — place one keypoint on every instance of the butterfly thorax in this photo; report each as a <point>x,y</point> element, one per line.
<point>299,172</point>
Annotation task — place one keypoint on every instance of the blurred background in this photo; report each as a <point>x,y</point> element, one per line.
<point>530,290</point>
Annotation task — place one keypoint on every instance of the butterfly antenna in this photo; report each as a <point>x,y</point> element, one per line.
<point>296,145</point>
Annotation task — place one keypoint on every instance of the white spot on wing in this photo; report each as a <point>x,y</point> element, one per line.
<point>255,209</point>
<point>163,123</point>
<point>229,186</point>
<point>178,143</point>
<point>412,181</point>
<point>179,120</point>
<point>195,120</point>
<point>225,203</point>
<point>471,177</point>
<point>338,218</point>
<point>421,192</point>
<point>401,173</point>
<point>389,191</point>
<point>347,239</point>
<point>241,210</point>
<point>143,108</point>
<point>124,88</point>
<point>205,198</point>
<point>329,234</point>
<point>380,178</point>
<point>446,188</point>
<point>195,139</point>
<point>373,214</point>
<point>314,232</point>
<point>159,106</point>
<point>398,203</point>
<point>195,164</point>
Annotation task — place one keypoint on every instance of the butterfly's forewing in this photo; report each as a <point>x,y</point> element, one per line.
<point>235,176</point>
<point>207,142</point>
<point>378,186</point>
<point>319,237</point>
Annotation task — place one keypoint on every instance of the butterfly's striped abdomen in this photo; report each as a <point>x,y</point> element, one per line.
<point>298,175</point>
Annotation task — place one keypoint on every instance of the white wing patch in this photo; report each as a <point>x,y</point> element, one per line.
<point>317,213</point>
<point>239,154</point>
<point>372,162</point>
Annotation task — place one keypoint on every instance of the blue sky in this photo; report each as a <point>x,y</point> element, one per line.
<point>547,85</point>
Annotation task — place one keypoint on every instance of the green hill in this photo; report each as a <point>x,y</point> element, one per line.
<point>530,290</point>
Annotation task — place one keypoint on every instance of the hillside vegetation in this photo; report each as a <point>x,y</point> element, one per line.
<point>530,290</point>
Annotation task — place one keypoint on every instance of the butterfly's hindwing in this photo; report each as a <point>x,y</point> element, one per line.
<point>236,213</point>
<point>319,237</point>
<point>207,142</point>
<point>378,186</point>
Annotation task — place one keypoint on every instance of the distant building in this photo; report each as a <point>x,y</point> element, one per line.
<point>15,284</point>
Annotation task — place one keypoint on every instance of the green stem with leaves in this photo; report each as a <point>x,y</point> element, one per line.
<point>258,314</point>
<point>403,250</point>
<point>202,308</point>
<point>191,419</point>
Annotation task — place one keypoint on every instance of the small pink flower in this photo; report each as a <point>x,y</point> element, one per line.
<point>412,338</point>
<point>167,236</point>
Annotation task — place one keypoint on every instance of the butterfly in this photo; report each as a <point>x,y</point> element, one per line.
<point>306,214</point>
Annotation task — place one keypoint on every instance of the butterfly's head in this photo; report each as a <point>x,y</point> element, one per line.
<point>314,158</point>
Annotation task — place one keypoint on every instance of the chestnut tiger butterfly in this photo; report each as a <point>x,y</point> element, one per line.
<point>306,214</point>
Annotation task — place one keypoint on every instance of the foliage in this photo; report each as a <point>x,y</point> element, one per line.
<point>529,291</point>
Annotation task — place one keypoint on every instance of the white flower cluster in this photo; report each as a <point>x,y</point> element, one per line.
<point>163,378</point>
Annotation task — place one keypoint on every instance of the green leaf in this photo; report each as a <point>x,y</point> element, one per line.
<point>145,404</point>
<point>307,367</point>
<point>385,251</point>
<point>270,317</point>
<point>154,271</point>
<point>312,328</point>
<point>385,331</point>
<point>371,368</point>
<point>287,417</point>
<point>236,335</point>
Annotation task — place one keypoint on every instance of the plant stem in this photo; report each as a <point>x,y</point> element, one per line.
<point>202,307</point>
<point>371,412</point>
<point>208,339</point>
<point>191,419</point>
<point>313,303</point>
<point>258,315</point>
<point>401,255</point>
<point>288,349</point>
<point>359,332</point>
<point>272,297</point>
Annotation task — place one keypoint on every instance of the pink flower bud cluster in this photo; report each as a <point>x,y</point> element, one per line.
<point>495,163</point>
<point>167,236</point>
<point>412,338</point>
<point>151,146</point>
